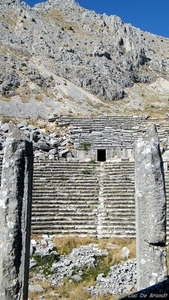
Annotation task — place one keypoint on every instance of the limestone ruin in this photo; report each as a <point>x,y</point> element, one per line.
<point>15,216</point>
<point>71,195</point>
<point>104,205</point>
<point>150,211</point>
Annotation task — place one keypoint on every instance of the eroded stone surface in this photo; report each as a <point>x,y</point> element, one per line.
<point>15,216</point>
<point>150,210</point>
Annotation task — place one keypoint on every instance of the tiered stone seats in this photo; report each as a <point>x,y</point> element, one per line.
<point>106,139</point>
<point>103,132</point>
<point>86,125</point>
<point>65,198</point>
<point>117,197</point>
<point>113,133</point>
<point>85,199</point>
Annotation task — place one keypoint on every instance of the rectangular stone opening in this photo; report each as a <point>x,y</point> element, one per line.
<point>101,155</point>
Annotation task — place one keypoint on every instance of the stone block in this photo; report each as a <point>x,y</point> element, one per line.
<point>15,215</point>
<point>150,210</point>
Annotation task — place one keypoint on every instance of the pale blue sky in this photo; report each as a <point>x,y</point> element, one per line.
<point>148,15</point>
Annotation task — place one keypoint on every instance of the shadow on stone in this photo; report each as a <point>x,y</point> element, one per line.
<point>156,291</point>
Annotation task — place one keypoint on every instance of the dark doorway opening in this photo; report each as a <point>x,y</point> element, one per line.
<point>101,155</point>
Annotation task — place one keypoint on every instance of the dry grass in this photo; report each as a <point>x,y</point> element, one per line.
<point>115,253</point>
<point>39,97</point>
<point>72,290</point>
<point>66,244</point>
<point>76,290</point>
<point>5,119</point>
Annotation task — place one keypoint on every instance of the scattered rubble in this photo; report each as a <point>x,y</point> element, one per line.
<point>120,279</point>
<point>45,145</point>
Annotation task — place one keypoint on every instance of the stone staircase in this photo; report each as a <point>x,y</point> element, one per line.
<point>82,199</point>
<point>65,198</point>
<point>117,203</point>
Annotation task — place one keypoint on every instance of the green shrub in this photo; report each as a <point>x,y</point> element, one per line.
<point>101,266</point>
<point>44,263</point>
<point>86,171</point>
<point>92,162</point>
<point>23,64</point>
<point>70,28</point>
<point>85,146</point>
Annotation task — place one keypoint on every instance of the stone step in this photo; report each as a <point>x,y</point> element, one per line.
<point>66,176</point>
<point>75,198</point>
<point>63,221</point>
<point>58,208</point>
<point>64,232</point>
<point>66,226</point>
<point>117,194</point>
<point>79,213</point>
<point>55,209</point>
<point>118,222</point>
<point>69,173</point>
<point>113,181</point>
<point>70,184</point>
<point>59,193</point>
<point>118,226</point>
<point>61,213</point>
<point>62,205</point>
<point>118,232</point>
<point>130,208</point>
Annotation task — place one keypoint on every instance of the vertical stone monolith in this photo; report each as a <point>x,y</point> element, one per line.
<point>15,216</point>
<point>150,211</point>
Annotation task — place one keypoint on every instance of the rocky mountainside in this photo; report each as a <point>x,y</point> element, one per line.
<point>58,58</point>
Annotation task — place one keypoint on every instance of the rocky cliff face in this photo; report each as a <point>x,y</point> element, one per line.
<point>61,58</point>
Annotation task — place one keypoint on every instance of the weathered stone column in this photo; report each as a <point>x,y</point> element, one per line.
<point>15,216</point>
<point>150,211</point>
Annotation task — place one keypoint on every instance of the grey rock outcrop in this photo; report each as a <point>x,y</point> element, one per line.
<point>15,215</point>
<point>42,44</point>
<point>150,211</point>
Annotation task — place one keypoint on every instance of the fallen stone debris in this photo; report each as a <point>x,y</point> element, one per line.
<point>121,279</point>
<point>45,145</point>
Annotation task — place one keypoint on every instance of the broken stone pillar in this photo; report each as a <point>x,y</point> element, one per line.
<point>150,211</point>
<point>15,216</point>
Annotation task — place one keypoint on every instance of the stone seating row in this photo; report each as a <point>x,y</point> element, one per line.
<point>99,123</point>
<point>117,186</point>
<point>103,141</point>
<point>73,195</point>
<point>84,199</point>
